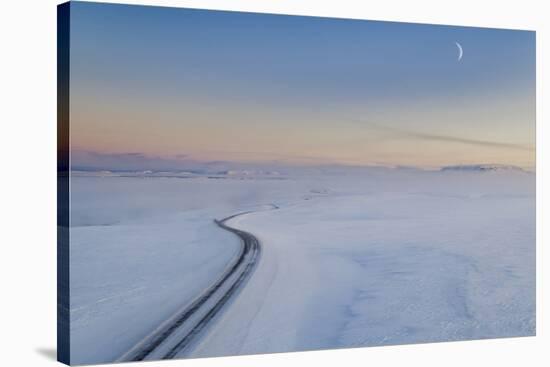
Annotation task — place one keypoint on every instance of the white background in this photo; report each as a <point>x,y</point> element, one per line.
<point>28,184</point>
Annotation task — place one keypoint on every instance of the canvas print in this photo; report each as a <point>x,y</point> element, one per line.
<point>234,183</point>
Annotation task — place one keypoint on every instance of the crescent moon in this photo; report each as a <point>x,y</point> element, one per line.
<point>460,52</point>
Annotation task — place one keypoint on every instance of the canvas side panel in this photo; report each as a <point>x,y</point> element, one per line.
<point>63,169</point>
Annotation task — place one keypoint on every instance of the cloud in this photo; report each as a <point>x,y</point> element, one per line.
<point>133,155</point>
<point>446,138</point>
<point>90,160</point>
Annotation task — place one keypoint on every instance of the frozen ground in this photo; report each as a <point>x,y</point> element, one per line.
<point>350,259</point>
<point>141,248</point>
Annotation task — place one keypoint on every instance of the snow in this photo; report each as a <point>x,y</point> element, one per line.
<point>129,277</point>
<point>350,258</point>
<point>142,248</point>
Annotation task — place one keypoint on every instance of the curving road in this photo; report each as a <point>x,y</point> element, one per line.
<point>175,336</point>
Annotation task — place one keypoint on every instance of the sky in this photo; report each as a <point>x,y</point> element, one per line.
<point>166,86</point>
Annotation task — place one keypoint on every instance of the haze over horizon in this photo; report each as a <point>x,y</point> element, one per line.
<point>163,85</point>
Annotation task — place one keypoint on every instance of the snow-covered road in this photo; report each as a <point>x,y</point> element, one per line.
<point>175,335</point>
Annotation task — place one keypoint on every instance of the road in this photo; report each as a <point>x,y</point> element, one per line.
<point>175,336</point>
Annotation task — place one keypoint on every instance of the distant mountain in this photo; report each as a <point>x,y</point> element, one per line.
<point>483,168</point>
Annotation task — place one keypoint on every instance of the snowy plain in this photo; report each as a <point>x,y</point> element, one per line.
<point>351,258</point>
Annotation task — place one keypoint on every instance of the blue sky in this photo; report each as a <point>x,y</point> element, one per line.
<point>168,82</point>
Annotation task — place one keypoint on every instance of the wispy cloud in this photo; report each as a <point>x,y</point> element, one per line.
<point>447,138</point>
<point>84,159</point>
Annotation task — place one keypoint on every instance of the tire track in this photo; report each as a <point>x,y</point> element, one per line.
<point>176,335</point>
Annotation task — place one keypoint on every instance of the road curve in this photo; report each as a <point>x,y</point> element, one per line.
<point>174,336</point>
